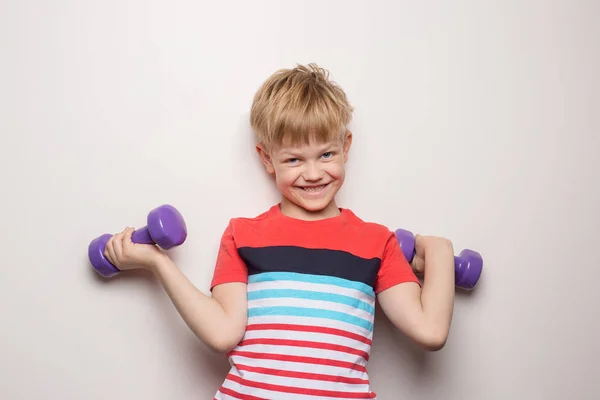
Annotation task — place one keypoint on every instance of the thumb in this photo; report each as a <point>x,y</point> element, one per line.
<point>127,235</point>
<point>418,244</point>
<point>417,240</point>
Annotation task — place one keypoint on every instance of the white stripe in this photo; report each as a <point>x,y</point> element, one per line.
<point>221,396</point>
<point>265,394</point>
<point>329,323</point>
<point>299,367</point>
<point>304,352</point>
<point>307,336</point>
<point>315,287</point>
<point>269,394</point>
<point>303,383</point>
<point>318,304</point>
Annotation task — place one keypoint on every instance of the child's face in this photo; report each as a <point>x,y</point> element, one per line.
<point>309,176</point>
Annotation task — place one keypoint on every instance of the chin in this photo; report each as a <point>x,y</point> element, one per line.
<point>315,204</point>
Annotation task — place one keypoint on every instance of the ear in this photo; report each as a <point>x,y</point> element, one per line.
<point>265,157</point>
<point>347,144</point>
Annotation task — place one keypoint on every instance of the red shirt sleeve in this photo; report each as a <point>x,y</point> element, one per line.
<point>394,267</point>
<point>229,266</point>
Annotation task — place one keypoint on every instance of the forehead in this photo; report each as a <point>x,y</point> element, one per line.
<point>306,147</point>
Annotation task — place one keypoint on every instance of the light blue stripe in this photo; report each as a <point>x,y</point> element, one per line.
<point>310,312</point>
<point>309,295</point>
<point>323,279</point>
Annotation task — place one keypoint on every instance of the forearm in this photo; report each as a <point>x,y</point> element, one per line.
<point>204,315</point>
<point>437,295</point>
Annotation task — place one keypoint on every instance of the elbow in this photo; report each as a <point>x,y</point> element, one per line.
<point>434,341</point>
<point>434,345</point>
<point>223,344</point>
<point>221,347</point>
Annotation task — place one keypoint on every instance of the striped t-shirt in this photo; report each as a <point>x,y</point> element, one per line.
<point>311,303</point>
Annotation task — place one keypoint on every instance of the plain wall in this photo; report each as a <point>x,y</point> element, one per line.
<point>478,121</point>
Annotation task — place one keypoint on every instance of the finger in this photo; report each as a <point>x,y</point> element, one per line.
<point>106,252</point>
<point>418,243</point>
<point>118,247</point>
<point>126,242</point>
<point>109,251</point>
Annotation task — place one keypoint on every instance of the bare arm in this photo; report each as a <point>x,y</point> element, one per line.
<point>424,314</point>
<point>219,321</point>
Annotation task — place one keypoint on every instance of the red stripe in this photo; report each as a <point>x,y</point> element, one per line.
<point>305,360</point>
<point>237,395</point>
<point>303,343</point>
<point>297,390</point>
<point>303,375</point>
<point>308,328</point>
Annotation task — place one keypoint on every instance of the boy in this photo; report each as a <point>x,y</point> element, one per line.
<point>294,289</point>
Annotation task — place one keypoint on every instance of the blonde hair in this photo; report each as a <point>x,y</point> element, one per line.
<point>299,104</point>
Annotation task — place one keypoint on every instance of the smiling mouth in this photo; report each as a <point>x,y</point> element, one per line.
<point>313,189</point>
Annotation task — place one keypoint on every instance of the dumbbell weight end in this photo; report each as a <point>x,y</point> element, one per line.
<point>468,266</point>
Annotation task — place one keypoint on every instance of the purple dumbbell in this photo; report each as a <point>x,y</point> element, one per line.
<point>467,265</point>
<point>165,227</point>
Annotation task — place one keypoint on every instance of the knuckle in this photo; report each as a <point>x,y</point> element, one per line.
<point>447,242</point>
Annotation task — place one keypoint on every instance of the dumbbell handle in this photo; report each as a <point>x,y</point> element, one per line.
<point>142,236</point>
<point>457,260</point>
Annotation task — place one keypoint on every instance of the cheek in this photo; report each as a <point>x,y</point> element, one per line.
<point>285,178</point>
<point>336,171</point>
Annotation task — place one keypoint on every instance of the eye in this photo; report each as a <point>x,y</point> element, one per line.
<point>327,154</point>
<point>291,160</point>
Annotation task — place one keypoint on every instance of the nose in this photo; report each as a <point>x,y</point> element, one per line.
<point>312,172</point>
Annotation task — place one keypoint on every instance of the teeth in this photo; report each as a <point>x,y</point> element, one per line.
<point>314,189</point>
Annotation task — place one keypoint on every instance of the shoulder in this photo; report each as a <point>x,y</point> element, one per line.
<point>372,238</point>
<point>367,228</point>
<point>241,226</point>
<point>257,219</point>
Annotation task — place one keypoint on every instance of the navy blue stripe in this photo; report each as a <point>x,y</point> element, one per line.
<point>334,263</point>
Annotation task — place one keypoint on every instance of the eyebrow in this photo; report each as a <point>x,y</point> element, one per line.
<point>329,145</point>
<point>322,148</point>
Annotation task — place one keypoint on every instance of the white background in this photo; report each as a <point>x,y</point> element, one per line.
<point>478,121</point>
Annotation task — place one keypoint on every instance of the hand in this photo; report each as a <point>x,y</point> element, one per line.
<point>427,247</point>
<point>126,255</point>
